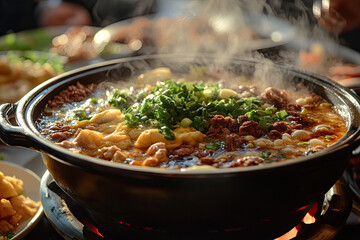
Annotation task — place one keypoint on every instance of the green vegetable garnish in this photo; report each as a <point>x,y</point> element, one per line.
<point>213,144</point>
<point>265,155</point>
<point>266,117</point>
<point>94,100</point>
<point>2,157</point>
<point>81,115</point>
<point>121,100</point>
<point>167,132</point>
<point>37,39</point>
<point>9,234</point>
<point>55,61</point>
<point>304,144</point>
<point>328,138</point>
<point>171,104</point>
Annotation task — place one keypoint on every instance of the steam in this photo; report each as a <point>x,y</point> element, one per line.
<point>231,23</point>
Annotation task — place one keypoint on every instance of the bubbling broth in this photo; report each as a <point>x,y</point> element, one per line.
<point>201,120</point>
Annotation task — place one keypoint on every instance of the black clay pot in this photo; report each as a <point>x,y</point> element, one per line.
<point>173,201</point>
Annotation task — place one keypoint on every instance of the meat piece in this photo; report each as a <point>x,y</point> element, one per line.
<point>161,155</point>
<point>241,119</point>
<point>118,157</point>
<point>158,151</point>
<point>219,121</point>
<point>74,93</point>
<point>58,127</point>
<point>281,127</point>
<point>203,153</point>
<point>323,130</point>
<point>60,136</point>
<point>248,91</point>
<point>207,160</point>
<point>293,110</point>
<point>183,150</point>
<point>150,162</point>
<point>244,162</point>
<point>297,122</point>
<point>112,153</point>
<point>66,144</point>
<point>316,99</point>
<point>233,141</point>
<point>221,126</point>
<point>24,206</point>
<point>314,150</point>
<point>229,142</point>
<point>275,97</point>
<point>296,126</point>
<point>275,134</point>
<point>251,128</point>
<point>232,124</point>
<point>155,147</point>
<point>5,227</point>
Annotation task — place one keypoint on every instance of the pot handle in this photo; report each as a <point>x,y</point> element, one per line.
<point>10,133</point>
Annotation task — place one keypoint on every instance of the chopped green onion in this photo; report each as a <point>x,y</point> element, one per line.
<point>281,114</point>
<point>213,144</point>
<point>265,155</point>
<point>9,234</point>
<point>186,122</point>
<point>303,144</point>
<point>81,115</point>
<point>171,104</point>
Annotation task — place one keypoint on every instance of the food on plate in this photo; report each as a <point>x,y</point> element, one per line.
<point>199,32</point>
<point>14,206</point>
<point>346,74</point>
<point>75,43</point>
<point>314,57</point>
<point>20,72</point>
<point>337,69</point>
<point>36,39</point>
<point>205,119</point>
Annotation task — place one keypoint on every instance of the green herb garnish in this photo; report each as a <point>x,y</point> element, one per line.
<point>213,144</point>
<point>328,138</point>
<point>9,234</point>
<point>303,144</point>
<point>121,100</point>
<point>55,61</point>
<point>265,155</point>
<point>171,104</point>
<point>82,115</point>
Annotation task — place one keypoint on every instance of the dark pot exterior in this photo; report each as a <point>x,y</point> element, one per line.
<point>173,201</point>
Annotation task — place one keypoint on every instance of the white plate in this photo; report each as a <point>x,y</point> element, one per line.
<point>31,189</point>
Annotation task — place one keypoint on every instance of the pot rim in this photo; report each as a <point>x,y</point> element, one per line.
<point>25,109</point>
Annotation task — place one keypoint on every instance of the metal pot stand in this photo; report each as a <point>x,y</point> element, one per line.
<point>71,221</point>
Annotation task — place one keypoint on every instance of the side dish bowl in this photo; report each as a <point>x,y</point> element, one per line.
<point>167,200</point>
<point>31,189</point>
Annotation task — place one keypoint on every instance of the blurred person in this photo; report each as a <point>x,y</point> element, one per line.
<point>343,17</point>
<point>340,13</point>
<point>18,15</point>
<point>91,12</point>
<point>59,13</point>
